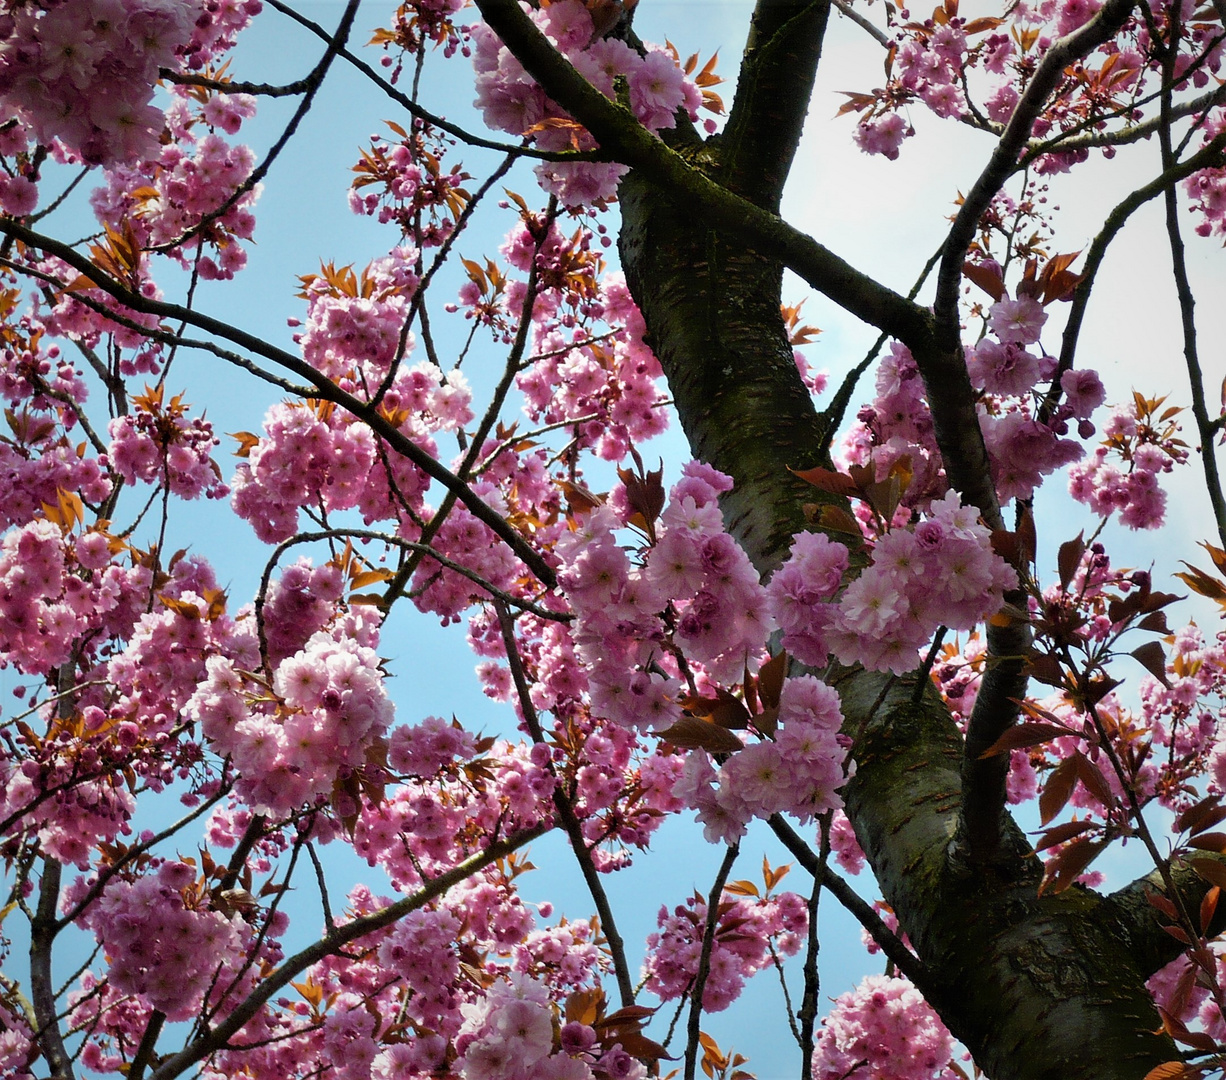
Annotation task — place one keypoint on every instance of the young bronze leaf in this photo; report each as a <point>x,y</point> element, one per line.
<point>770,679</point>
<point>1153,659</point>
<point>839,520</point>
<point>1058,834</point>
<point>1203,815</point>
<point>1093,780</point>
<point>1200,582</point>
<point>1172,1070</point>
<point>1024,735</point>
<point>836,483</point>
<point>1209,841</point>
<point>1069,559</point>
<point>988,279</point>
<point>1067,866</point>
<point>1057,790</point>
<point>693,733</point>
<point>1211,870</point>
<point>1208,907</point>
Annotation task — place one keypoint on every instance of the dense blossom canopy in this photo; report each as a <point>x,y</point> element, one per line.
<point>846,619</point>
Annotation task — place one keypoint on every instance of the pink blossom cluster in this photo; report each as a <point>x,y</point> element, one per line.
<point>54,589</point>
<point>1147,450</point>
<point>509,1035</point>
<point>404,182</point>
<point>38,460</point>
<point>83,71</point>
<point>941,572</point>
<point>606,383</point>
<point>929,65</point>
<point>510,100</point>
<point>17,1045</point>
<point>164,198</point>
<point>886,1025</point>
<point>745,930</point>
<point>330,710</point>
<point>162,446</point>
<point>88,323</point>
<point>354,323</point>
<point>217,29</point>
<point>301,602</point>
<point>428,822</point>
<point>1207,188</point>
<point>797,772</point>
<point>163,661</point>
<point>163,943</point>
<point>66,795</point>
<point>1022,449</point>
<point>696,591</point>
<point>312,455</point>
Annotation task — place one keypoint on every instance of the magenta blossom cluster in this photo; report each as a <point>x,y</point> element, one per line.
<point>940,572</point>
<point>83,71</point>
<point>1146,451</point>
<point>605,382</point>
<point>164,199</point>
<point>162,948</point>
<point>510,100</point>
<point>163,446</point>
<point>509,1035</point>
<point>745,931</point>
<point>886,1025</point>
<point>797,772</point>
<point>696,591</point>
<point>330,708</point>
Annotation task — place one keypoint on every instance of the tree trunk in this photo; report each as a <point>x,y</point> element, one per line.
<point>1034,987</point>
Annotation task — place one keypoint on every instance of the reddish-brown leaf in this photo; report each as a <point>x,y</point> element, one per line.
<point>1057,790</point>
<point>1152,657</point>
<point>1069,559</point>
<point>1024,735</point>
<point>1208,907</point>
<point>770,679</point>
<point>836,483</point>
<point>1210,841</point>
<point>1065,867</point>
<point>1171,1070</point>
<point>1058,834</point>
<point>694,733</point>
<point>1093,780</point>
<point>1211,870</point>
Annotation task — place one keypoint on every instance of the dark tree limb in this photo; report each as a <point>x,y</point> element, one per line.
<point>321,386</point>
<point>1003,162</point>
<point>1141,924</point>
<point>779,64</point>
<point>705,201</point>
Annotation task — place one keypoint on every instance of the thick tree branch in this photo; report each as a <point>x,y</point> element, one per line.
<point>779,64</point>
<point>43,931</point>
<point>1142,925</point>
<point>627,141</point>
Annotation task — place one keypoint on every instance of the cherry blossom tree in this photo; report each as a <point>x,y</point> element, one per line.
<point>856,629</point>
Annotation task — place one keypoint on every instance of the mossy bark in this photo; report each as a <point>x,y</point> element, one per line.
<point>1034,986</point>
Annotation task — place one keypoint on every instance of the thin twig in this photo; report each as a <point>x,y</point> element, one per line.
<point>694,1024</point>
<point>566,813</point>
